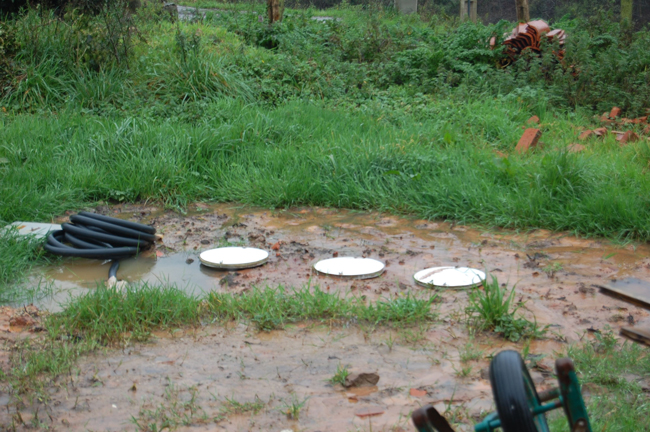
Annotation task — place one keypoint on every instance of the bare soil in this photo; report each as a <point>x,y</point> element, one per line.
<point>554,275</point>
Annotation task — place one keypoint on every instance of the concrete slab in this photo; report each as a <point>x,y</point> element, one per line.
<point>38,230</point>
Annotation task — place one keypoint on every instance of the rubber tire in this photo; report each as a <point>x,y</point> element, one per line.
<point>508,375</point>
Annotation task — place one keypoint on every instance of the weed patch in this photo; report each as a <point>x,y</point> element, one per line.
<point>272,308</point>
<point>493,309</point>
<point>111,316</point>
<point>340,375</point>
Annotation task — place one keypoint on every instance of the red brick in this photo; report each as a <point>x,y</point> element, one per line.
<point>627,137</point>
<point>615,112</point>
<point>417,392</point>
<point>575,148</point>
<point>647,130</point>
<point>533,120</point>
<point>586,134</point>
<point>528,140</point>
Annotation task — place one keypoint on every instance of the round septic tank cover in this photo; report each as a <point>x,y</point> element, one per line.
<point>350,267</point>
<point>232,258</point>
<point>449,277</point>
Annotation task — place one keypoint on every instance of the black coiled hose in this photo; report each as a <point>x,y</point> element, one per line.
<point>100,237</point>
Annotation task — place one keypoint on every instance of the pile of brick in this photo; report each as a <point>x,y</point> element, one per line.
<point>529,36</point>
<point>613,120</point>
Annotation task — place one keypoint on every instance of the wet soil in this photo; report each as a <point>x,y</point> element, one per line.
<point>555,275</point>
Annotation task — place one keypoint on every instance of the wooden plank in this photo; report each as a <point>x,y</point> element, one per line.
<point>632,290</point>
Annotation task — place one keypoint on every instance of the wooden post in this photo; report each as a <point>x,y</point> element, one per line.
<point>523,12</point>
<point>275,11</point>
<point>627,8</point>
<point>473,11</point>
<point>463,9</point>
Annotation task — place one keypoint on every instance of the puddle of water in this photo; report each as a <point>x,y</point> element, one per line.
<point>75,277</point>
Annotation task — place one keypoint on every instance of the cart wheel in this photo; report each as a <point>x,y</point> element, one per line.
<point>515,395</point>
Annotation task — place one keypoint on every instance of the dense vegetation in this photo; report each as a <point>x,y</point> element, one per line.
<point>372,110</point>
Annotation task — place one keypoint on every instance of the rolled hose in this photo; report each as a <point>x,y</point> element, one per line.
<point>100,237</point>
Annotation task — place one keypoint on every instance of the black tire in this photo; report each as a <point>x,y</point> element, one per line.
<point>514,394</point>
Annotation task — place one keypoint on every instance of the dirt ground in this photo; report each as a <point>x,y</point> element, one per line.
<point>204,376</point>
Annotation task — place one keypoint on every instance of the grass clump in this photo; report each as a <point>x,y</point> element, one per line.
<point>340,375</point>
<point>493,309</point>
<point>174,411</point>
<point>272,308</point>
<point>109,315</point>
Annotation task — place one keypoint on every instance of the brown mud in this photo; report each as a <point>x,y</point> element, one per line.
<point>554,274</point>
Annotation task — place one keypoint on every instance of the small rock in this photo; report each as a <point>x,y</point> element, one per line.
<point>335,254</point>
<point>362,379</point>
<point>533,120</point>
<point>205,242</point>
<point>485,373</point>
<point>276,246</point>
<point>189,261</point>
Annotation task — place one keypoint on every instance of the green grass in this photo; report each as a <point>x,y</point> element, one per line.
<point>109,315</point>
<point>272,308</point>
<point>19,254</point>
<point>492,308</point>
<point>340,375</point>
<point>308,154</point>
<point>614,374</point>
<point>379,112</point>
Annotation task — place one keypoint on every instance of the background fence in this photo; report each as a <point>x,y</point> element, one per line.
<point>489,11</point>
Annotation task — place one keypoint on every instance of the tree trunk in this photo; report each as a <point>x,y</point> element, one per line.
<point>463,9</point>
<point>473,10</point>
<point>274,10</point>
<point>523,12</point>
<point>627,7</point>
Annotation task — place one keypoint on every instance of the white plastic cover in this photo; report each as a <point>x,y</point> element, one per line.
<point>357,268</point>
<point>449,277</point>
<point>234,257</point>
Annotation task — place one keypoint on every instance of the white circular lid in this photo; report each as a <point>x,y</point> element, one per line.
<point>449,277</point>
<point>357,268</point>
<point>234,257</point>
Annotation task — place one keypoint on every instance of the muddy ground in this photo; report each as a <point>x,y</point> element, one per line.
<point>201,376</point>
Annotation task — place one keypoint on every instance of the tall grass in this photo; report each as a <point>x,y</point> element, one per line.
<point>18,255</point>
<point>307,154</point>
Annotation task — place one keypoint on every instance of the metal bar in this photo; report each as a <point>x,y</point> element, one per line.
<point>548,407</point>
<point>550,394</point>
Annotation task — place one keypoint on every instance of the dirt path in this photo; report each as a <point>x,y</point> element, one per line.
<point>274,371</point>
